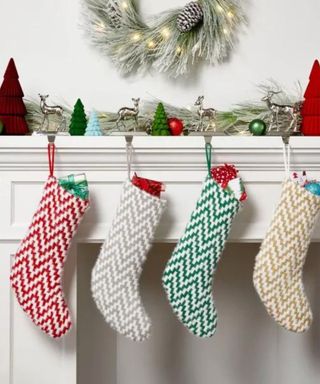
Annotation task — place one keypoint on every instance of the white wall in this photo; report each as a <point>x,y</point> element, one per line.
<point>53,56</point>
<point>248,347</point>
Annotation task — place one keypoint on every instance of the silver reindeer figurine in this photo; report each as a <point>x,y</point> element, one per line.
<point>276,109</point>
<point>126,112</point>
<point>49,110</point>
<point>210,113</point>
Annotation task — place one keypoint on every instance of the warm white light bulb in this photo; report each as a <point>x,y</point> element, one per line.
<point>100,26</point>
<point>151,44</point>
<point>165,33</point>
<point>136,37</point>
<point>230,15</point>
<point>219,8</point>
<point>124,5</point>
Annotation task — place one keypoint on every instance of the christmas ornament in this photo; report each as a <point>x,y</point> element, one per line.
<point>78,122</point>
<point>126,112</point>
<point>38,264</point>
<point>258,127</point>
<point>175,126</point>
<point>189,17</point>
<point>115,276</point>
<point>160,122</point>
<point>172,42</point>
<point>93,127</point>
<point>187,278</point>
<point>1,127</point>
<point>311,106</point>
<point>313,187</point>
<point>209,113</point>
<point>12,108</point>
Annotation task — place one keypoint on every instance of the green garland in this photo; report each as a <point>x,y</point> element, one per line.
<point>232,122</point>
<point>117,29</point>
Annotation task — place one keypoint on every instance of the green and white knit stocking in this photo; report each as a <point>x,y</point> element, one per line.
<point>188,276</point>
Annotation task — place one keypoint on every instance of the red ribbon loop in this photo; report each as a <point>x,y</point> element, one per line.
<point>51,151</point>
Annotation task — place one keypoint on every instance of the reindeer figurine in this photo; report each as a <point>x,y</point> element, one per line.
<point>49,110</point>
<point>210,113</point>
<point>276,109</point>
<point>125,112</point>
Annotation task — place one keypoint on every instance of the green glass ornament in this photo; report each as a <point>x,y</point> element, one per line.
<point>1,127</point>
<point>258,127</point>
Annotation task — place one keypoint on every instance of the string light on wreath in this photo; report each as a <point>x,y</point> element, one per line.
<point>203,30</point>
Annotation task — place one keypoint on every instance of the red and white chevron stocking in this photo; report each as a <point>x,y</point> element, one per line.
<point>37,270</point>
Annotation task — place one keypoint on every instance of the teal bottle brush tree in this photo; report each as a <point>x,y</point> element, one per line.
<point>93,127</point>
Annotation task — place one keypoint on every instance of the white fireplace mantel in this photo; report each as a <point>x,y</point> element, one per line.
<point>178,161</point>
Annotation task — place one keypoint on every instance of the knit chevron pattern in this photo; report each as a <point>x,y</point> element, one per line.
<point>115,276</point>
<point>37,270</point>
<point>188,275</point>
<point>279,264</point>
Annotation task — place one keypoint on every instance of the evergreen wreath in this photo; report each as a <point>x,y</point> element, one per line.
<point>172,42</point>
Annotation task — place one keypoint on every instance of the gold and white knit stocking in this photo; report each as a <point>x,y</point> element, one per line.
<point>279,264</point>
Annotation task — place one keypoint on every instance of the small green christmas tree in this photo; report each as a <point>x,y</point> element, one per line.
<point>78,121</point>
<point>160,122</point>
<point>93,127</point>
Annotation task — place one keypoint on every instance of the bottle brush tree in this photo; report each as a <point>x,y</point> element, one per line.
<point>93,127</point>
<point>311,107</point>
<point>160,125</point>
<point>12,108</point>
<point>78,122</point>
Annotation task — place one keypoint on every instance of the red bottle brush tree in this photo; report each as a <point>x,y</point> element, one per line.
<point>311,107</point>
<point>12,108</point>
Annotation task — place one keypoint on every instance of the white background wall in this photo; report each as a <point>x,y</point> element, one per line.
<point>281,42</point>
<point>53,56</point>
<point>248,347</point>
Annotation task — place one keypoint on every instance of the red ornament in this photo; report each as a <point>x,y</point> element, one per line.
<point>152,187</point>
<point>311,107</point>
<point>12,108</point>
<point>175,126</point>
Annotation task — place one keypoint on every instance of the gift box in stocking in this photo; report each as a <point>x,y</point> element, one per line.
<point>279,264</point>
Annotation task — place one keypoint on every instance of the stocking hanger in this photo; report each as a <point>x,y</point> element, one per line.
<point>51,152</point>
<point>129,150</point>
<point>286,159</point>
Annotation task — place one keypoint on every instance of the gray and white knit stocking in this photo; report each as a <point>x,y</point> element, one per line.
<point>115,276</point>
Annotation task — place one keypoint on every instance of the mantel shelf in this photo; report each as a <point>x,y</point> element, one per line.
<point>177,161</point>
<point>160,153</point>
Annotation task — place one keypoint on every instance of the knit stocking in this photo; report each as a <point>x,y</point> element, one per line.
<point>278,268</point>
<point>115,277</point>
<point>37,270</point>
<point>188,275</point>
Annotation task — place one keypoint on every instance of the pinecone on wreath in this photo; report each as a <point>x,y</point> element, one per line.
<point>114,13</point>
<point>189,17</point>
